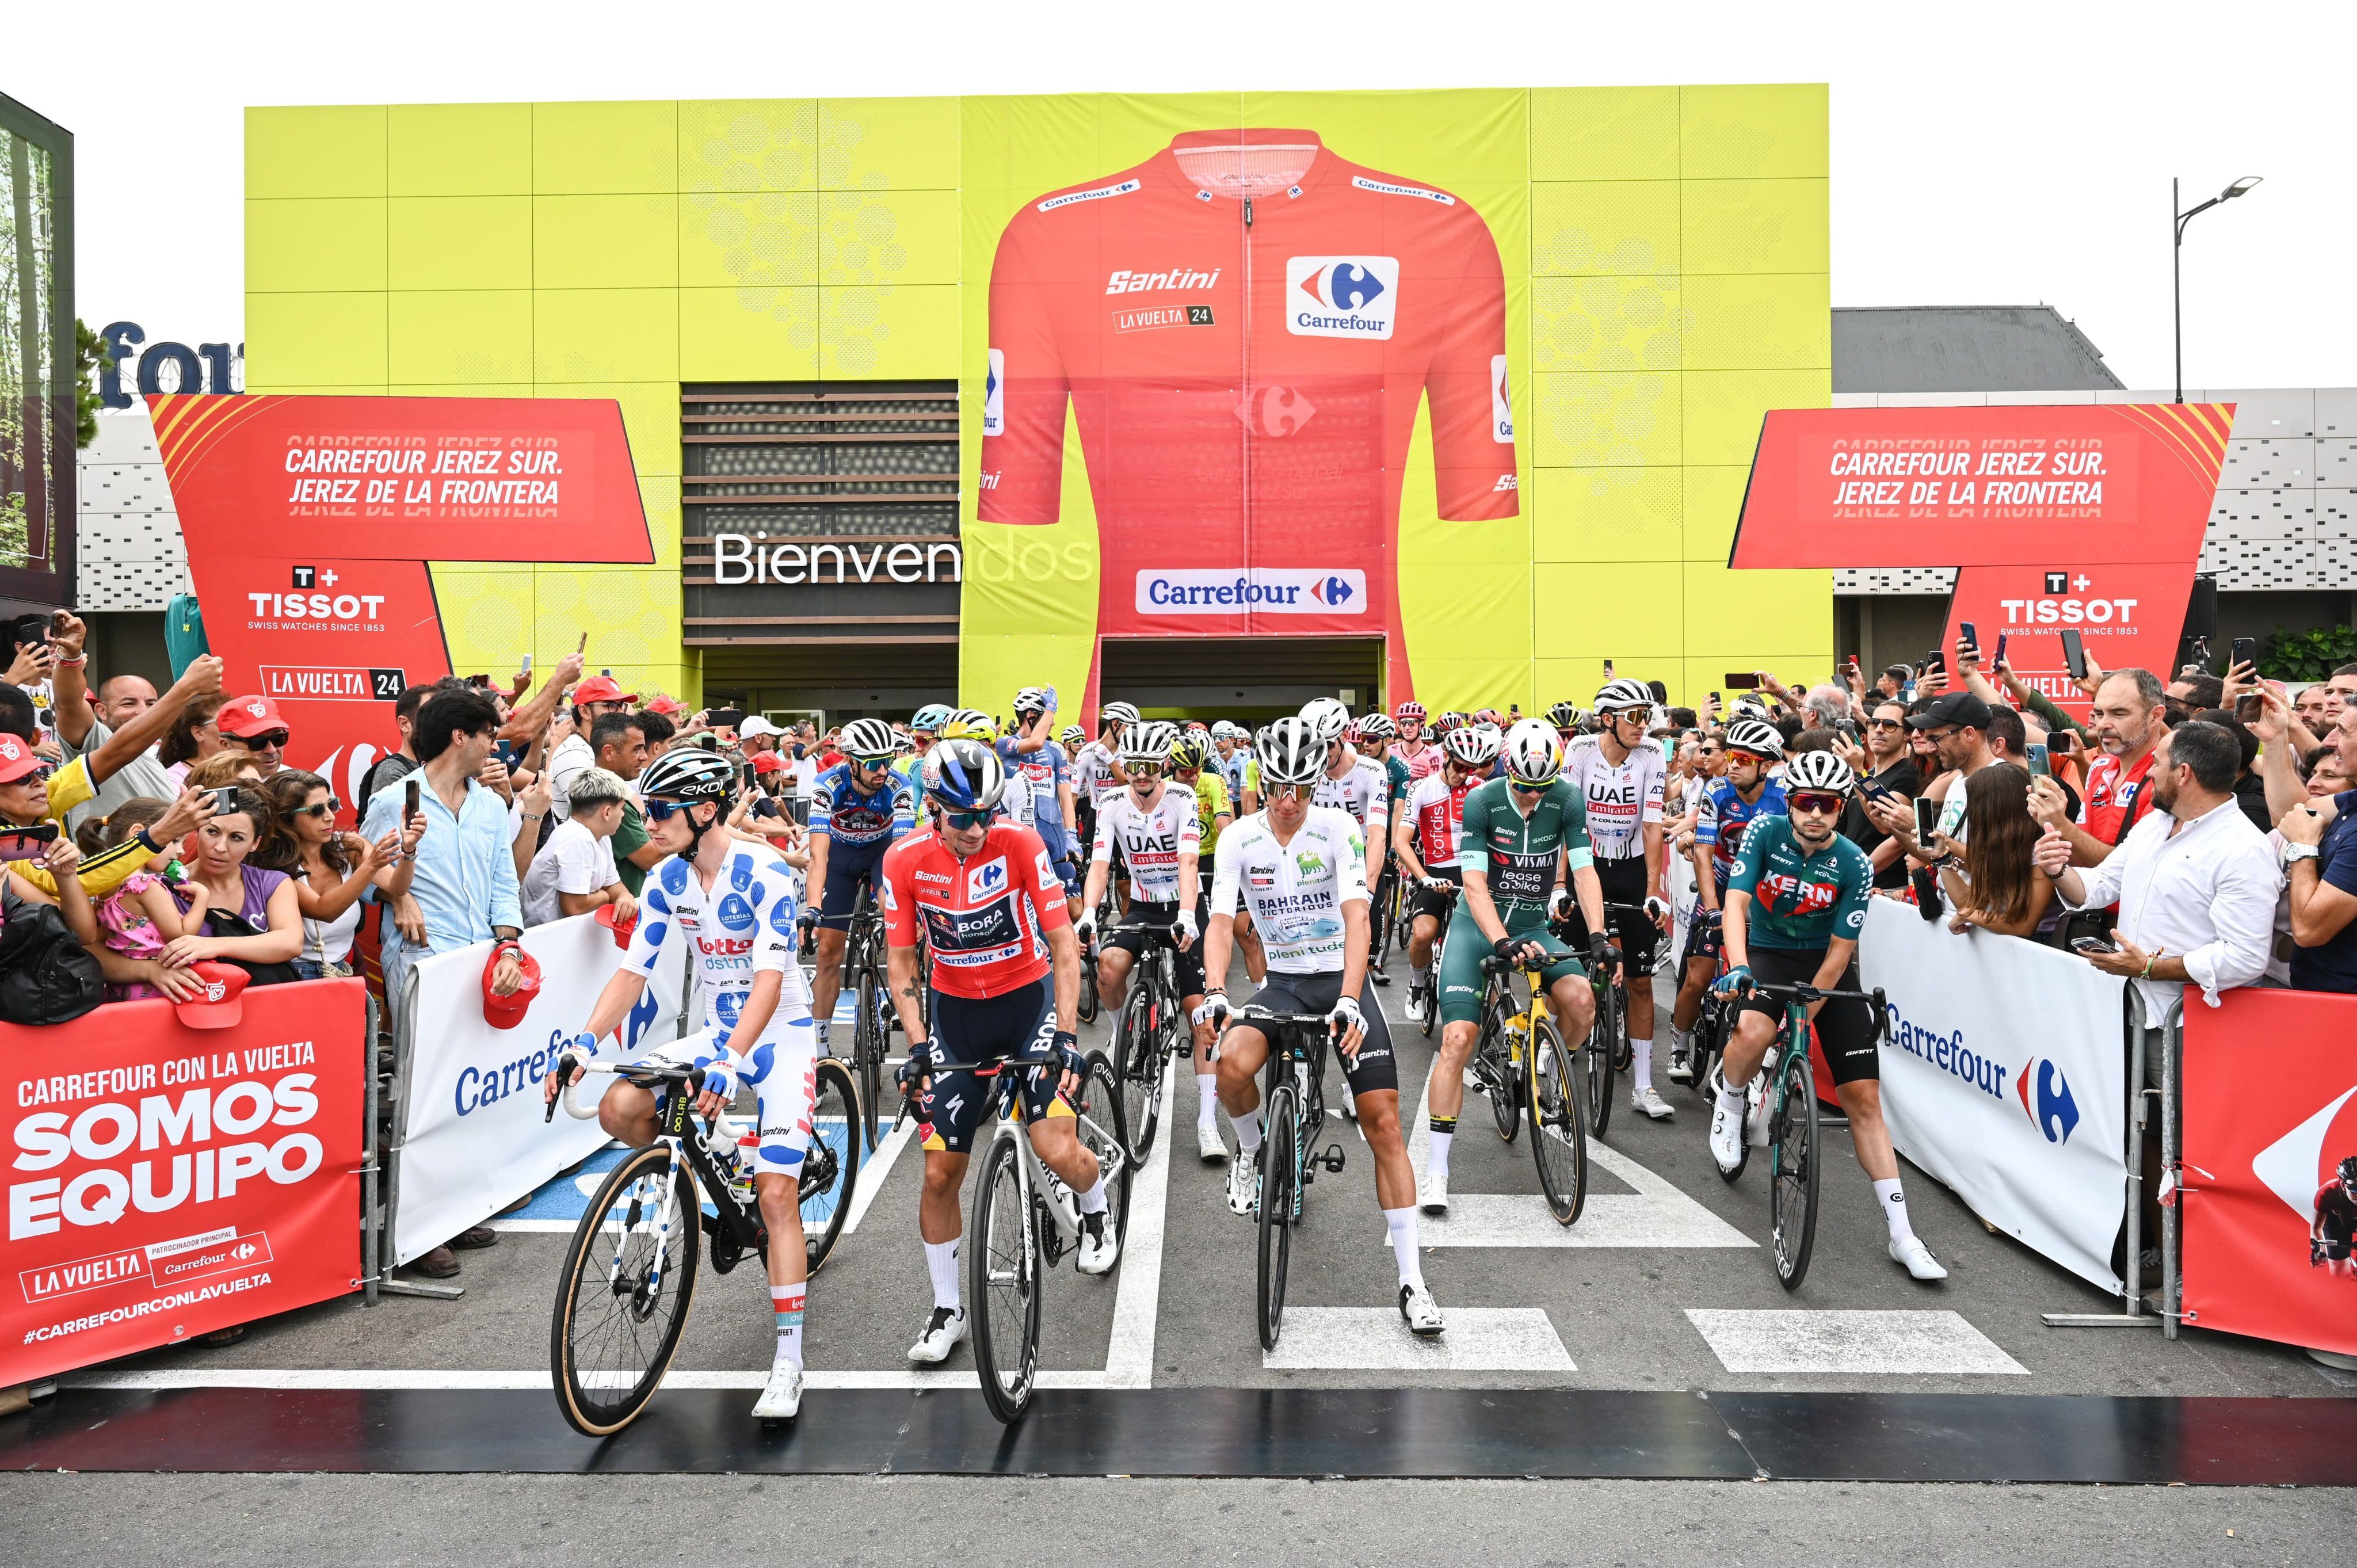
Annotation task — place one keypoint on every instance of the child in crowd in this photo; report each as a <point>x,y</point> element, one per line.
<point>140,916</point>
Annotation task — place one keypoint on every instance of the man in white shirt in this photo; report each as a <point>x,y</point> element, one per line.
<point>592,700</point>
<point>574,872</point>
<point>2195,881</point>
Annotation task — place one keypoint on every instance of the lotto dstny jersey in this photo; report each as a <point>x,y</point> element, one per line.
<point>1031,780</point>
<point>1518,855</point>
<point>986,915</point>
<point>1621,801</point>
<point>846,817</point>
<point>1245,326</point>
<point>1364,792</point>
<point>1294,890</point>
<point>1719,821</point>
<point>1093,778</point>
<point>1438,809</point>
<point>1800,902</point>
<point>1151,841</point>
<point>740,927</point>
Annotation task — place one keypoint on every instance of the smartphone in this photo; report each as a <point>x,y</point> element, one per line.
<point>1877,793</point>
<point>483,680</point>
<point>409,801</point>
<point>2061,741</point>
<point>2074,655</point>
<point>1741,680</point>
<point>1972,636</point>
<point>1608,670</point>
<point>1999,662</point>
<point>527,663</point>
<point>2249,705</point>
<point>225,799</point>
<point>1927,818</point>
<point>27,843</point>
<point>57,622</point>
<point>2245,650</point>
<point>1714,699</point>
<point>2038,767</point>
<point>2094,944</point>
<point>1935,660</point>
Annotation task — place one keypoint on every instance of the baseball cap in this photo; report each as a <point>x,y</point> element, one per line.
<point>755,725</point>
<point>221,1003</point>
<point>17,759</point>
<point>621,928</point>
<point>249,716</point>
<point>767,762</point>
<point>602,688</point>
<point>507,1011</point>
<point>1952,708</point>
<point>666,706</point>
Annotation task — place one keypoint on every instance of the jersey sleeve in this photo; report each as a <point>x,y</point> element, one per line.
<point>1578,852</point>
<point>1101,852</point>
<point>655,920</point>
<point>904,807</point>
<point>775,910</point>
<point>1749,856</point>
<point>1466,384</point>
<point>1225,885</point>
<point>897,891</point>
<point>1656,788</point>
<point>1350,866</point>
<point>1858,885</point>
<point>822,805</point>
<point>1024,383</point>
<point>1707,817</point>
<point>1190,826</point>
<point>1043,887</point>
<point>1473,832</point>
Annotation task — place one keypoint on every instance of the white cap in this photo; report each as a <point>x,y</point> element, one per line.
<point>755,725</point>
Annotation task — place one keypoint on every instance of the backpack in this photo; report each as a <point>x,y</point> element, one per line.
<point>46,976</point>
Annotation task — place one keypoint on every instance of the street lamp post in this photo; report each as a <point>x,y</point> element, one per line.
<point>2176,262</point>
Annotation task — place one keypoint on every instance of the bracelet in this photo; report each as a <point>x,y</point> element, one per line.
<point>530,817</point>
<point>73,663</point>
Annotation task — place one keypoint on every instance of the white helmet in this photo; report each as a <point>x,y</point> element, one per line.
<point>1224,730</point>
<point>1148,742</point>
<point>1326,719</point>
<point>1534,752</point>
<point>1116,713</point>
<point>1819,770</point>
<point>1623,692</point>
<point>1291,753</point>
<point>1471,745</point>
<point>869,740</point>
<point>1755,736</point>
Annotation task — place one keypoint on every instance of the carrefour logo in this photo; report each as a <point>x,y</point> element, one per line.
<point>2055,1114</point>
<point>1342,296</point>
<point>1270,589</point>
<point>994,395</point>
<point>1947,1052</point>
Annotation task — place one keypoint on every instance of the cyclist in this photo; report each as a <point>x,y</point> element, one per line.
<point>1420,750</point>
<point>1097,769</point>
<point>924,729</point>
<point>1520,836</point>
<point>1731,800</point>
<point>1191,764</point>
<point>1425,841</point>
<point>1353,782</point>
<point>733,902</point>
<point>859,807</point>
<point>1795,904</point>
<point>1377,741</point>
<point>1567,718</point>
<point>1158,828</point>
<point>1039,793</point>
<point>1621,773</point>
<point>1300,868</point>
<point>2334,1233</point>
<point>993,916</point>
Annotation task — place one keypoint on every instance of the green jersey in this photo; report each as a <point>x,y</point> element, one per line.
<point>1800,902</point>
<point>1518,854</point>
<point>1401,780</point>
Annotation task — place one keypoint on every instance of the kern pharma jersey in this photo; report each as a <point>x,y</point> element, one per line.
<point>1245,326</point>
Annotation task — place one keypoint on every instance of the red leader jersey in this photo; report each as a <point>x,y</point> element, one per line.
<point>1244,326</point>
<point>987,916</point>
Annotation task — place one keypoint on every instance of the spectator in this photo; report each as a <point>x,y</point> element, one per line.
<point>1883,763</point>
<point>135,920</point>
<point>84,729</point>
<point>1919,749</point>
<point>2193,879</point>
<point>574,872</point>
<point>2128,728</point>
<point>2343,686</point>
<point>402,760</point>
<point>757,736</point>
<point>1957,725</point>
<point>192,738</point>
<point>255,724</point>
<point>1894,680</point>
<point>249,913</point>
<point>2317,706</point>
<point>32,660</point>
<point>334,872</point>
<point>1827,706</point>
<point>2250,789</point>
<point>222,768</point>
<point>1997,885</point>
<point>2321,864</point>
<point>623,747</point>
<point>2197,688</point>
<point>592,700</point>
<point>2323,774</point>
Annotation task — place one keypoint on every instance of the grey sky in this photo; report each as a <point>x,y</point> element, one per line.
<point>1997,153</point>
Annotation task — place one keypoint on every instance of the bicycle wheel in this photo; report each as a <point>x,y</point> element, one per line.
<point>1280,1176</point>
<point>1558,1130</point>
<point>1137,1047</point>
<point>831,1168</point>
<point>1003,1283</point>
<point>1493,1064</point>
<point>1432,1003</point>
<point>1601,1054</point>
<point>1106,1132</point>
<point>628,1281</point>
<point>1793,1169</point>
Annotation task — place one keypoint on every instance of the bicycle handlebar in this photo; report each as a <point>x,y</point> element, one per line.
<point>567,1082</point>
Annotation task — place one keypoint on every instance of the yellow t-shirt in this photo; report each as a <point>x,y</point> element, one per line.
<point>102,873</point>
<point>1211,803</point>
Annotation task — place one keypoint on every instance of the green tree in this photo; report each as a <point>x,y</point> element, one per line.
<point>2310,655</point>
<point>89,358</point>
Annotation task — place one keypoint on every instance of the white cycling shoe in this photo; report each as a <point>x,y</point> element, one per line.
<point>1651,1105</point>
<point>943,1331</point>
<point>781,1396</point>
<point>1100,1243</point>
<point>1911,1254</point>
<point>1423,1313</point>
<point>1207,1144</point>
<point>1434,1196</point>
<point>1726,1135</point>
<point>1350,1104</point>
<point>1420,1006</point>
<point>1681,1068</point>
<point>1243,1185</point>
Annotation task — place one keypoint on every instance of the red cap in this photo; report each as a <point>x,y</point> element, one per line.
<point>767,762</point>
<point>220,1005</point>
<point>249,716</point>
<point>17,759</point>
<point>666,706</point>
<point>507,1011</point>
<point>602,688</point>
<point>621,928</point>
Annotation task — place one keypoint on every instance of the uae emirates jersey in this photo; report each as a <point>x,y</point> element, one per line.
<point>1621,801</point>
<point>1245,328</point>
<point>1364,791</point>
<point>1151,841</point>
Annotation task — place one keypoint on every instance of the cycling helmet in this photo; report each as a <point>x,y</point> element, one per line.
<point>1819,770</point>
<point>1534,752</point>
<point>1224,730</point>
<point>687,774</point>
<point>1326,719</point>
<point>970,723</point>
<point>1031,700</point>
<point>1472,747</point>
<point>868,740</point>
<point>1376,727</point>
<point>1450,720</point>
<point>1564,716</point>
<point>1148,741</point>
<point>1409,711</point>
<point>1191,752</point>
<point>1624,694</point>
<point>1074,735</point>
<point>1755,736</point>
<point>931,717</point>
<point>965,775</point>
<point>2349,1171</point>
<point>1116,713</point>
<point>1291,753</point>
<point>1491,716</point>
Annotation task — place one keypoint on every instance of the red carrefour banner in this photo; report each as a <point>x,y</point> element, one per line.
<point>309,521</point>
<point>2270,1104</point>
<point>165,1181</point>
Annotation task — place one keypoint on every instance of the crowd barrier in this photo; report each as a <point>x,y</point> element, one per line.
<point>165,1181</point>
<point>469,1135</point>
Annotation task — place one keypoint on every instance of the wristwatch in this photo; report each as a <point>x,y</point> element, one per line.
<point>2300,851</point>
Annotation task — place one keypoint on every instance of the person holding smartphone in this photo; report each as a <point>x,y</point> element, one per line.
<point>1889,774</point>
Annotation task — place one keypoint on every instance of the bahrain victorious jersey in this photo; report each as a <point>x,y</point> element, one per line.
<point>986,916</point>
<point>1244,326</point>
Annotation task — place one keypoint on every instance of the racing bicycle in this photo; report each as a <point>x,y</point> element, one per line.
<point>1439,943</point>
<point>1521,1063</point>
<point>1152,1028</point>
<point>867,972</point>
<point>1089,1001</point>
<point>1293,1113</point>
<point>630,1271</point>
<point>1609,1051</point>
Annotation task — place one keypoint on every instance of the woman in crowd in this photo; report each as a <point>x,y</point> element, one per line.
<point>220,769</point>
<point>2321,770</point>
<point>255,920</point>
<point>331,870</point>
<point>1998,888</point>
<point>192,739</point>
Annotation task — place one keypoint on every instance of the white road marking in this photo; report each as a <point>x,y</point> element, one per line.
<point>1129,1356</point>
<point>1375,1338</point>
<point>878,1167</point>
<point>438,1377</point>
<point>1791,1340</point>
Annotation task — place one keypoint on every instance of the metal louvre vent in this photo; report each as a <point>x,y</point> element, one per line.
<point>865,461</point>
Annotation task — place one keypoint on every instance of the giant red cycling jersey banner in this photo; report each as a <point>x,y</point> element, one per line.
<point>309,521</point>
<point>1245,328</point>
<point>165,1181</point>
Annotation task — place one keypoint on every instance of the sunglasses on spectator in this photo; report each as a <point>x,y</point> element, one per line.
<point>1886,724</point>
<point>260,742</point>
<point>329,808</point>
<point>1814,800</point>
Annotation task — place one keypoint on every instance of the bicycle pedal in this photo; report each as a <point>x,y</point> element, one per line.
<point>1331,1159</point>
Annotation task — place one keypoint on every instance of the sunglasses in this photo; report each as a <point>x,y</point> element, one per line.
<point>1634,715</point>
<point>328,809</point>
<point>664,810</point>
<point>1145,769</point>
<point>1886,724</point>
<point>1813,801</point>
<point>1293,791</point>
<point>966,822</point>
<point>260,742</point>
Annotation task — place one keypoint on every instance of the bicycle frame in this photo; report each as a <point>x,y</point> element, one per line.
<point>1063,1205</point>
<point>676,1132</point>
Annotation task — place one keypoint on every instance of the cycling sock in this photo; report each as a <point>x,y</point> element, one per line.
<point>1420,973</point>
<point>1641,1051</point>
<point>1731,1097</point>
<point>786,1302</point>
<point>1247,1128</point>
<point>1401,1223</point>
<point>1093,1200</point>
<point>1443,1132</point>
<point>1207,1097</point>
<point>1894,1209</point>
<point>1678,1040</point>
<point>941,1262</point>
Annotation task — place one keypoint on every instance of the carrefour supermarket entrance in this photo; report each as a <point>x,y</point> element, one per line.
<point>1250,680</point>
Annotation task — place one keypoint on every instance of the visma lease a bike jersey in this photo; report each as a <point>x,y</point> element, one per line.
<point>1151,841</point>
<point>1800,902</point>
<point>1294,890</point>
<point>1245,326</point>
<point>853,821</point>
<point>1621,801</point>
<point>986,915</point>
<point>1519,855</point>
<point>740,927</point>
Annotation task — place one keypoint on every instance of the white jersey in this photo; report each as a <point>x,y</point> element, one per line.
<point>1364,792</point>
<point>1294,890</point>
<point>1151,841</point>
<point>1620,800</point>
<point>1092,778</point>
<point>742,926</point>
